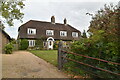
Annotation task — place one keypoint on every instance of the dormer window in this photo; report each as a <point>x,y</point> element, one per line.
<point>49,32</point>
<point>74,34</point>
<point>31,31</point>
<point>63,33</point>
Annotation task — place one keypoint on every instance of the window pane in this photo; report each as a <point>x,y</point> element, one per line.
<point>31,31</point>
<point>31,43</point>
<point>49,32</point>
<point>63,33</point>
<point>75,34</point>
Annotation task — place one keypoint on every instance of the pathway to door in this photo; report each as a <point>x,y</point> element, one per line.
<point>23,64</point>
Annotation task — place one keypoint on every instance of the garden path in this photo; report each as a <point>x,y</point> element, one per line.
<point>23,64</point>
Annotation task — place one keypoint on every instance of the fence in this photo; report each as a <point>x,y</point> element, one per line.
<point>63,58</point>
<point>15,47</point>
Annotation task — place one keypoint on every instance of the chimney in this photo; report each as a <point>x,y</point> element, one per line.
<point>65,21</point>
<point>53,19</point>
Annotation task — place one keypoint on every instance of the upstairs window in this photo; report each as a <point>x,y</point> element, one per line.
<point>49,32</point>
<point>74,34</point>
<point>31,31</point>
<point>63,33</point>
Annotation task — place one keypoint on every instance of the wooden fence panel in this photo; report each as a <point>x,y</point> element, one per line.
<point>15,47</point>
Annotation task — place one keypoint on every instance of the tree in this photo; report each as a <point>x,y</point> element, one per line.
<point>107,19</point>
<point>11,10</point>
<point>84,34</point>
<point>104,42</point>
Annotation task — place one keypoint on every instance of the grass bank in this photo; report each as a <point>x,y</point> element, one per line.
<point>48,55</point>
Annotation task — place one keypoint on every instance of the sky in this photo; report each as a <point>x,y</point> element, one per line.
<point>73,10</point>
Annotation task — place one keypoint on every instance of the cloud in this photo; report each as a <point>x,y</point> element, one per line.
<point>75,12</point>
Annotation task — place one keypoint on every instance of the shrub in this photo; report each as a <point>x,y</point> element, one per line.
<point>8,48</point>
<point>23,44</point>
<point>39,44</point>
<point>96,46</point>
<point>55,46</point>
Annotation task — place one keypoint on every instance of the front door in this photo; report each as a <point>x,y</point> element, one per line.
<point>50,44</point>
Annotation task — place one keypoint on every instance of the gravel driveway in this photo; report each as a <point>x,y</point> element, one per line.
<point>23,64</point>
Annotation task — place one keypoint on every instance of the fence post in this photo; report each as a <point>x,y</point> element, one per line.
<point>60,55</point>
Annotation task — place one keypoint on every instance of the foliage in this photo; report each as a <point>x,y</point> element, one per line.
<point>84,34</point>
<point>55,46</point>
<point>2,26</point>
<point>23,44</point>
<point>103,43</point>
<point>8,48</point>
<point>47,55</point>
<point>13,41</point>
<point>107,19</point>
<point>11,10</point>
<point>39,44</point>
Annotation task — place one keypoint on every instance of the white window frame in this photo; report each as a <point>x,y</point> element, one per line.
<point>74,34</point>
<point>49,32</point>
<point>31,31</point>
<point>31,43</point>
<point>63,32</point>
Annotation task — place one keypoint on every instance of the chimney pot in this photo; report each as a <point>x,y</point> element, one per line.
<point>65,21</point>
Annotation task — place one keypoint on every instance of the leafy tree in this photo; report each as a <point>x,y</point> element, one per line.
<point>107,19</point>
<point>11,10</point>
<point>103,44</point>
<point>84,34</point>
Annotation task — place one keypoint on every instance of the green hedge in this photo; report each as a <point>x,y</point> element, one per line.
<point>96,46</point>
<point>8,48</point>
<point>23,44</point>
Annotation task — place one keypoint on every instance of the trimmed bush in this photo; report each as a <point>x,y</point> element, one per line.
<point>23,44</point>
<point>8,48</point>
<point>55,46</point>
<point>39,44</point>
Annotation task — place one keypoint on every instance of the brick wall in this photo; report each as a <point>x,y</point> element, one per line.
<point>3,42</point>
<point>0,42</point>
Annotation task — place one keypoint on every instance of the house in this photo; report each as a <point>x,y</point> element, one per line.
<point>51,31</point>
<point>4,39</point>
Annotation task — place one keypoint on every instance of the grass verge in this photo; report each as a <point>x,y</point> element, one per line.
<point>48,55</point>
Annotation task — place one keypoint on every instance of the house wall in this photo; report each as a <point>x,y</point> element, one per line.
<point>44,44</point>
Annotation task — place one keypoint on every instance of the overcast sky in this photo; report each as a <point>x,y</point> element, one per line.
<point>74,12</point>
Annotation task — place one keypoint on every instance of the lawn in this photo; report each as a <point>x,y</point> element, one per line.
<point>48,55</point>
